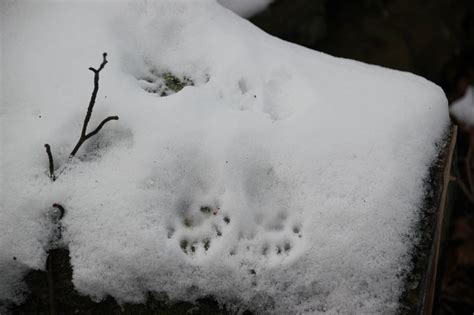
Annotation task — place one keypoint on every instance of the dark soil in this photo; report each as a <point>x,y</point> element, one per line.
<point>66,300</point>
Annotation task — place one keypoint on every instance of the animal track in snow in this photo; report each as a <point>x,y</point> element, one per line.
<point>164,83</point>
<point>198,228</point>
<point>280,241</point>
<point>254,220</point>
<point>270,101</point>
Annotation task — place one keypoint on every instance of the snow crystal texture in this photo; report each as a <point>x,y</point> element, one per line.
<point>275,178</point>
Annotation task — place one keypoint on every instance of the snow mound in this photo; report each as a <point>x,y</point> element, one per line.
<point>463,109</point>
<point>246,8</point>
<point>267,175</point>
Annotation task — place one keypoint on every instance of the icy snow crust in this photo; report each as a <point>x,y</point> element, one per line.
<point>283,181</point>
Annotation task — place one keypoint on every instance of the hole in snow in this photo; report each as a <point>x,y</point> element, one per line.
<point>170,232</point>
<point>205,209</point>
<point>243,86</point>
<point>187,222</point>
<point>278,249</point>
<point>206,243</point>
<point>184,245</point>
<point>163,83</point>
<point>226,219</point>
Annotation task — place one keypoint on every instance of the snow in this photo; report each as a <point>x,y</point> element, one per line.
<point>246,8</point>
<point>283,180</point>
<point>463,109</point>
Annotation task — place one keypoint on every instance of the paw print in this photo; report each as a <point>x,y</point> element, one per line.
<point>280,242</point>
<point>198,228</point>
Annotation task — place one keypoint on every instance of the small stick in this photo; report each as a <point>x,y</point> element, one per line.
<point>51,162</point>
<point>84,135</point>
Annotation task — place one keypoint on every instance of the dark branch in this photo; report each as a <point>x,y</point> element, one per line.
<point>84,136</point>
<point>104,62</point>
<point>93,96</point>
<point>96,130</point>
<point>51,162</point>
<point>102,65</point>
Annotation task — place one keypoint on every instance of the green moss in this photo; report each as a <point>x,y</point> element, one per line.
<point>174,83</point>
<point>187,222</point>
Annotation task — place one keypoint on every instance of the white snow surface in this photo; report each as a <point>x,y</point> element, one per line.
<point>463,109</point>
<point>313,166</point>
<point>246,8</point>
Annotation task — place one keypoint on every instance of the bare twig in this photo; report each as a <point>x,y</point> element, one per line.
<point>84,135</point>
<point>96,130</point>
<point>51,162</point>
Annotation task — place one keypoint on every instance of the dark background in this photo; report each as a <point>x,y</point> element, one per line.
<point>431,38</point>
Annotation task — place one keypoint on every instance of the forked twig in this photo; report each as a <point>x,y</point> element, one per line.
<point>84,135</point>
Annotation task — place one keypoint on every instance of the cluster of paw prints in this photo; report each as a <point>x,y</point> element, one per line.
<point>198,230</point>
